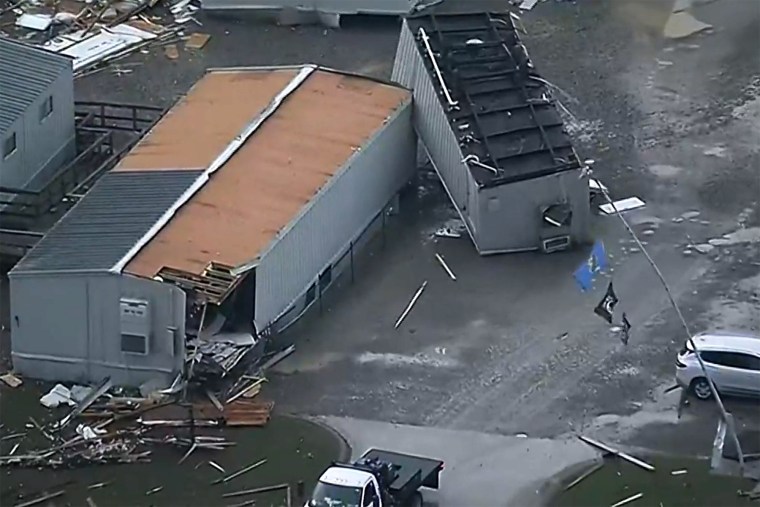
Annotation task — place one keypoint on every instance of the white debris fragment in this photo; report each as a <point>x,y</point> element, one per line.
<point>58,395</point>
<point>528,5</point>
<point>704,248</point>
<point>89,433</point>
<point>690,214</point>
<point>622,205</point>
<point>87,48</point>
<point>447,232</point>
<point>34,21</point>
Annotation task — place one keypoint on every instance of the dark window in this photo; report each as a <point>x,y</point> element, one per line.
<point>732,360</point>
<point>9,145</point>
<point>134,343</point>
<point>311,294</point>
<point>46,108</point>
<point>747,362</point>
<point>325,278</point>
<point>370,499</point>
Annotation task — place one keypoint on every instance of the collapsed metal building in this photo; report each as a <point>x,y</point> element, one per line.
<point>237,202</point>
<point>493,133</point>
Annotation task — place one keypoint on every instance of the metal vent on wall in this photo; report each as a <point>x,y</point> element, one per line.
<point>555,244</point>
<point>135,325</point>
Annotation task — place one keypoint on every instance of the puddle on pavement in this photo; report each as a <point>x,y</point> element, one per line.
<point>295,450</point>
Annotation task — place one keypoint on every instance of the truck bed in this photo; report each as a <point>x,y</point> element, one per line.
<point>413,472</point>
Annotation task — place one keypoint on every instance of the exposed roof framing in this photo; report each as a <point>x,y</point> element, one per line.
<point>505,119</point>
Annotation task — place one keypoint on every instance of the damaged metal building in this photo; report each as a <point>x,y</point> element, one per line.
<point>493,133</point>
<point>237,202</point>
<point>37,124</point>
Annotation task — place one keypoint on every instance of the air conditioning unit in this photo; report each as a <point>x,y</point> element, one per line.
<point>555,244</point>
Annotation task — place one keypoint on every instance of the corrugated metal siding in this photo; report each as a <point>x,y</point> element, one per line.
<point>67,328</point>
<point>432,124</point>
<point>105,224</point>
<point>517,222</point>
<point>26,73</point>
<point>336,216</point>
<point>390,7</point>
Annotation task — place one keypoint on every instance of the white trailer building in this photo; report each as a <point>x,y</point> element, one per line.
<point>244,194</point>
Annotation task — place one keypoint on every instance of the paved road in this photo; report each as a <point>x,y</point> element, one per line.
<point>479,469</point>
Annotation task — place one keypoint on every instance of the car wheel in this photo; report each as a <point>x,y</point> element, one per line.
<point>701,388</point>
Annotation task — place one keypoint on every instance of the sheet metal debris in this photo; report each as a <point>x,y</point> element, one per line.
<point>34,21</point>
<point>628,500</point>
<point>410,305</point>
<point>627,457</point>
<point>623,205</point>
<point>445,267</point>
<point>240,472</point>
<point>585,475</point>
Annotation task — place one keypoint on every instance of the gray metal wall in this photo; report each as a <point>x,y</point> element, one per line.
<point>391,7</point>
<point>335,216</point>
<point>67,327</point>
<point>43,146</point>
<point>434,130</point>
<point>511,215</point>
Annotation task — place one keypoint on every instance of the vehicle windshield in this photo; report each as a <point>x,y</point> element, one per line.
<point>331,495</point>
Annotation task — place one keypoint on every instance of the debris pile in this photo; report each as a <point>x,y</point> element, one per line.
<point>96,33</point>
<point>102,424</point>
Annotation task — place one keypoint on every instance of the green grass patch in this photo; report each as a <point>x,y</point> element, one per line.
<point>618,480</point>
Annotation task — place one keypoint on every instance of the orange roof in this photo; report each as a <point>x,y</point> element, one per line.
<point>202,124</point>
<point>278,170</point>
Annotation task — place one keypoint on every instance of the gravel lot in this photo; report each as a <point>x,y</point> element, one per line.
<point>673,122</point>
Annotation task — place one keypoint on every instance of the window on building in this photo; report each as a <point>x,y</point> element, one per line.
<point>9,145</point>
<point>134,343</point>
<point>46,108</point>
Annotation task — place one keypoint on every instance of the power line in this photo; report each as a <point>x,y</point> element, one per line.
<point>587,171</point>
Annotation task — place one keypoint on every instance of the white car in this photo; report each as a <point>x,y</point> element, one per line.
<point>733,362</point>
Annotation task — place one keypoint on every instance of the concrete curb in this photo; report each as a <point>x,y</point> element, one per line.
<point>344,453</point>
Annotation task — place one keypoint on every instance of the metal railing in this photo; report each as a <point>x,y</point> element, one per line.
<point>15,243</point>
<point>105,132</point>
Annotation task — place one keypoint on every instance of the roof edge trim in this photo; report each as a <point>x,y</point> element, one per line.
<point>263,68</point>
<point>226,154</point>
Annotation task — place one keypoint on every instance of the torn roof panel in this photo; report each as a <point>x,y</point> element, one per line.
<point>196,130</point>
<point>273,175</point>
<point>505,115</point>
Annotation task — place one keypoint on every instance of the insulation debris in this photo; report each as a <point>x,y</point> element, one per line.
<point>11,380</point>
<point>57,396</point>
